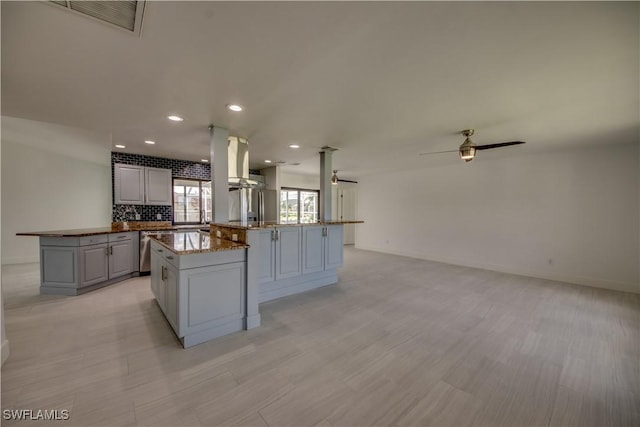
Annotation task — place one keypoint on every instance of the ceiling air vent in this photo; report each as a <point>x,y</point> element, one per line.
<point>123,14</point>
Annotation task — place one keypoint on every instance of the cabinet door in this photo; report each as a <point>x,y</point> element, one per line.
<point>211,297</point>
<point>312,249</point>
<point>156,275</point>
<point>288,252</point>
<point>333,247</point>
<point>59,266</point>
<point>267,255</point>
<point>157,186</point>
<point>128,182</point>
<point>171,296</point>
<point>120,254</point>
<point>93,264</point>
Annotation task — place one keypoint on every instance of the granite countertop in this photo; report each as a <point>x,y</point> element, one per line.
<point>116,227</point>
<point>250,225</point>
<point>194,242</point>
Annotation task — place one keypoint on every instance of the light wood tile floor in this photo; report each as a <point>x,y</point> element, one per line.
<point>398,341</point>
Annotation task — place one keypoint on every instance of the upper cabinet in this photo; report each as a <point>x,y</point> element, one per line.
<point>158,186</point>
<point>139,185</point>
<point>128,184</point>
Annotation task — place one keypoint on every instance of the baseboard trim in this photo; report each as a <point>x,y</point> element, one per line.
<point>19,260</point>
<point>5,351</point>
<point>546,275</point>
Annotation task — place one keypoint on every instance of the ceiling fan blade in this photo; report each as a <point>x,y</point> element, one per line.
<point>439,152</point>
<point>498,145</point>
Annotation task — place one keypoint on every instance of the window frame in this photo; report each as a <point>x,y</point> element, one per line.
<point>200,200</point>
<point>300,210</point>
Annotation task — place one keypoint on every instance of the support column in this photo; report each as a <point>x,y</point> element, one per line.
<point>219,173</point>
<point>326,172</point>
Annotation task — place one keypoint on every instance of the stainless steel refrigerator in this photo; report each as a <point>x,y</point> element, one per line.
<point>253,204</point>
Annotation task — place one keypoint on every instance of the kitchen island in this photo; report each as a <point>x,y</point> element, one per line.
<point>200,284</point>
<point>285,259</point>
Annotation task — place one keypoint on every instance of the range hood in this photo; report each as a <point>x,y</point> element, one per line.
<point>238,153</point>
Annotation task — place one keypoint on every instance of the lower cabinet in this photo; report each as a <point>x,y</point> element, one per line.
<point>294,259</point>
<point>202,296</point>
<point>280,255</point>
<point>72,265</point>
<point>94,264</point>
<point>322,248</point>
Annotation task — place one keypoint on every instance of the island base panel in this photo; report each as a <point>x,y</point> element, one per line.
<point>294,285</point>
<point>209,334</point>
<point>57,290</point>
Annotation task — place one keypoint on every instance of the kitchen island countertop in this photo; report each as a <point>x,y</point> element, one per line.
<point>194,242</point>
<point>250,225</point>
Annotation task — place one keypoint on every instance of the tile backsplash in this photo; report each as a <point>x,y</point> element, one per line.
<point>179,169</point>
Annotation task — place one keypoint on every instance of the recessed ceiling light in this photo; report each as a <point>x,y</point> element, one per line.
<point>149,142</point>
<point>234,107</point>
<point>267,161</point>
<point>204,160</point>
<point>175,118</point>
<point>294,146</point>
<point>120,146</point>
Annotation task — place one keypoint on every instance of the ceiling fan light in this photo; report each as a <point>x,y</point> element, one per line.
<point>467,150</point>
<point>334,178</point>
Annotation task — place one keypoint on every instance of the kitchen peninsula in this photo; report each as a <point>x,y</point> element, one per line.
<point>76,261</point>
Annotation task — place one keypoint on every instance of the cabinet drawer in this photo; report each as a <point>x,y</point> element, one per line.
<point>165,254</point>
<point>117,237</point>
<point>171,258</point>
<point>94,240</point>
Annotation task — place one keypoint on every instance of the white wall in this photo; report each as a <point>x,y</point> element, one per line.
<point>307,182</point>
<point>565,215</point>
<point>53,178</point>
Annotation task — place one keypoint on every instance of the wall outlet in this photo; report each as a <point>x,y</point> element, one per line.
<point>218,233</point>
<point>137,217</point>
<point>234,237</point>
<point>159,217</point>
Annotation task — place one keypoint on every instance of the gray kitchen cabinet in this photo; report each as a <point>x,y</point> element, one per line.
<point>313,252</point>
<point>202,296</point>
<point>157,186</point>
<point>322,248</point>
<point>94,264</point>
<point>157,287</point>
<point>74,265</point>
<point>171,295</point>
<point>280,253</point>
<point>288,252</point>
<point>164,286</point>
<point>120,256</point>
<point>333,246</point>
<point>140,185</point>
<point>267,256</point>
<point>287,260</point>
<point>58,270</point>
<point>128,184</point>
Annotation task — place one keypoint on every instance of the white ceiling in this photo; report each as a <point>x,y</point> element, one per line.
<point>380,81</point>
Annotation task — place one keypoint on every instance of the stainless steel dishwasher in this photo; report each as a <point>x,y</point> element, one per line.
<point>145,250</point>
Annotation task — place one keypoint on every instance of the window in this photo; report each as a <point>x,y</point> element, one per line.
<point>299,206</point>
<point>191,201</point>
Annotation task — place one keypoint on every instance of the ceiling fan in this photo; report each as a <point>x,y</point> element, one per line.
<point>468,149</point>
